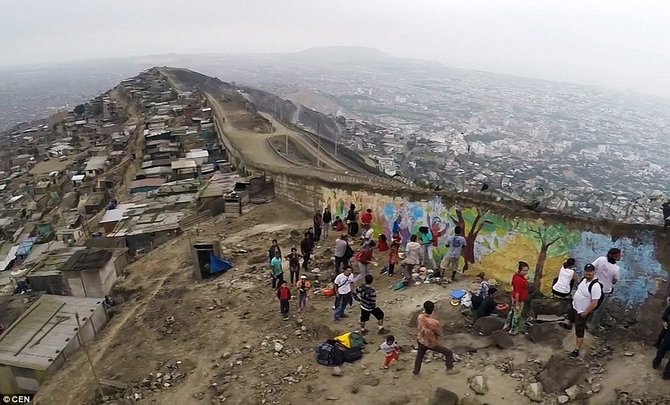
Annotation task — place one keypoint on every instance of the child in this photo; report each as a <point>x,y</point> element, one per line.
<point>391,351</point>
<point>393,257</point>
<point>396,237</point>
<point>303,288</point>
<point>284,295</point>
<point>294,264</point>
<point>382,244</point>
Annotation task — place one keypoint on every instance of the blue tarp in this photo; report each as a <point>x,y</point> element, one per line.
<point>26,246</point>
<point>218,265</point>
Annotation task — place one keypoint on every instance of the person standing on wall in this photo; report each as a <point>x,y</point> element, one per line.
<point>327,218</point>
<point>586,299</point>
<point>428,338</point>
<point>318,223</point>
<point>515,320</point>
<point>412,258</point>
<point>455,244</point>
<point>607,272</point>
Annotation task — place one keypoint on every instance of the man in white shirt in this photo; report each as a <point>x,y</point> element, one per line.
<point>343,284</point>
<point>607,272</point>
<point>412,257</point>
<point>585,301</point>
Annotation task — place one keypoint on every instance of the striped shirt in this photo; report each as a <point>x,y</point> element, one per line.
<point>367,296</point>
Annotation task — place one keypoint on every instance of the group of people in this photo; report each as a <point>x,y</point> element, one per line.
<point>590,295</point>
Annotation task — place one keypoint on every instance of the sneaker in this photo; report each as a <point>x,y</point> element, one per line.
<point>344,316</point>
<point>451,371</point>
<point>574,354</point>
<point>334,307</point>
<point>364,331</point>
<point>381,331</point>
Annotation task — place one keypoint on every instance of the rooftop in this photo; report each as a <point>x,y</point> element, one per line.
<point>44,330</point>
<point>96,163</point>
<point>183,164</point>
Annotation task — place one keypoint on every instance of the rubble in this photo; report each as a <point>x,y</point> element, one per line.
<point>534,392</point>
<point>478,384</point>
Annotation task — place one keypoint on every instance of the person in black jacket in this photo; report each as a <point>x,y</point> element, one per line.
<point>306,247</point>
<point>327,218</point>
<point>663,343</point>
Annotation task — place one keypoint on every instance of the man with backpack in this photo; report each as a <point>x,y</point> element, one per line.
<point>588,297</point>
<point>366,295</point>
<point>364,257</point>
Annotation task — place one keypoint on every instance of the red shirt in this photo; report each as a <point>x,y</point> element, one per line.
<point>284,293</point>
<point>382,246</point>
<point>364,255</point>
<point>393,255</point>
<point>366,218</point>
<point>520,286</point>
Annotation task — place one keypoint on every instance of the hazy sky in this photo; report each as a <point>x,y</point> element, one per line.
<point>619,44</point>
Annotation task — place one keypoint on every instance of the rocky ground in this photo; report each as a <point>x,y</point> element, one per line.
<point>222,340</point>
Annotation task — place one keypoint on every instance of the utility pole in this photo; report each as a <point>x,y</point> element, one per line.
<point>318,142</point>
<point>88,355</point>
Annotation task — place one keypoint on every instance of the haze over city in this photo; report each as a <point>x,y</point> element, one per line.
<point>616,44</point>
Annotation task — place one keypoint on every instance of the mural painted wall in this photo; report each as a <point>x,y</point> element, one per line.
<point>496,243</point>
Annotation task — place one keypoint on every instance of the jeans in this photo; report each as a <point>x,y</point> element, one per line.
<point>407,271</point>
<point>317,233</point>
<point>339,261</point>
<point>391,269</point>
<point>277,280</point>
<point>295,275</point>
<point>283,306</point>
<point>421,352</point>
<point>598,314</point>
<point>344,300</point>
<point>365,268</point>
<point>305,260</point>
<point>326,228</point>
<point>428,256</point>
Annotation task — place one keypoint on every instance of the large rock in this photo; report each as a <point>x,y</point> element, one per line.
<point>449,316</point>
<point>560,373</point>
<point>469,401</point>
<point>478,384</point>
<point>487,325</point>
<point>549,334</point>
<point>534,392</point>
<point>444,397</point>
<point>550,306</point>
<point>467,342</point>
<point>502,339</point>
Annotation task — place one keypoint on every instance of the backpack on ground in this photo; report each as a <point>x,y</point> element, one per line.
<point>330,354</point>
<point>350,354</point>
<point>602,294</point>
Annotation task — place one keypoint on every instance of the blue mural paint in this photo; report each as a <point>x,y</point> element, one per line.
<point>640,272</point>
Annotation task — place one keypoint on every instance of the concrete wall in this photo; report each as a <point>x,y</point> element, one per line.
<point>501,236</point>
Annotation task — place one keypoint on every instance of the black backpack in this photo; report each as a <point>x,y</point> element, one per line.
<point>329,354</point>
<point>351,354</point>
<point>602,294</point>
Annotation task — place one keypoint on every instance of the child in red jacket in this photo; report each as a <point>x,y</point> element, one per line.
<point>284,295</point>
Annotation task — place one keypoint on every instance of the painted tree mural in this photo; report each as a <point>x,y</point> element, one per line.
<point>546,239</point>
<point>552,240</point>
<point>477,224</point>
